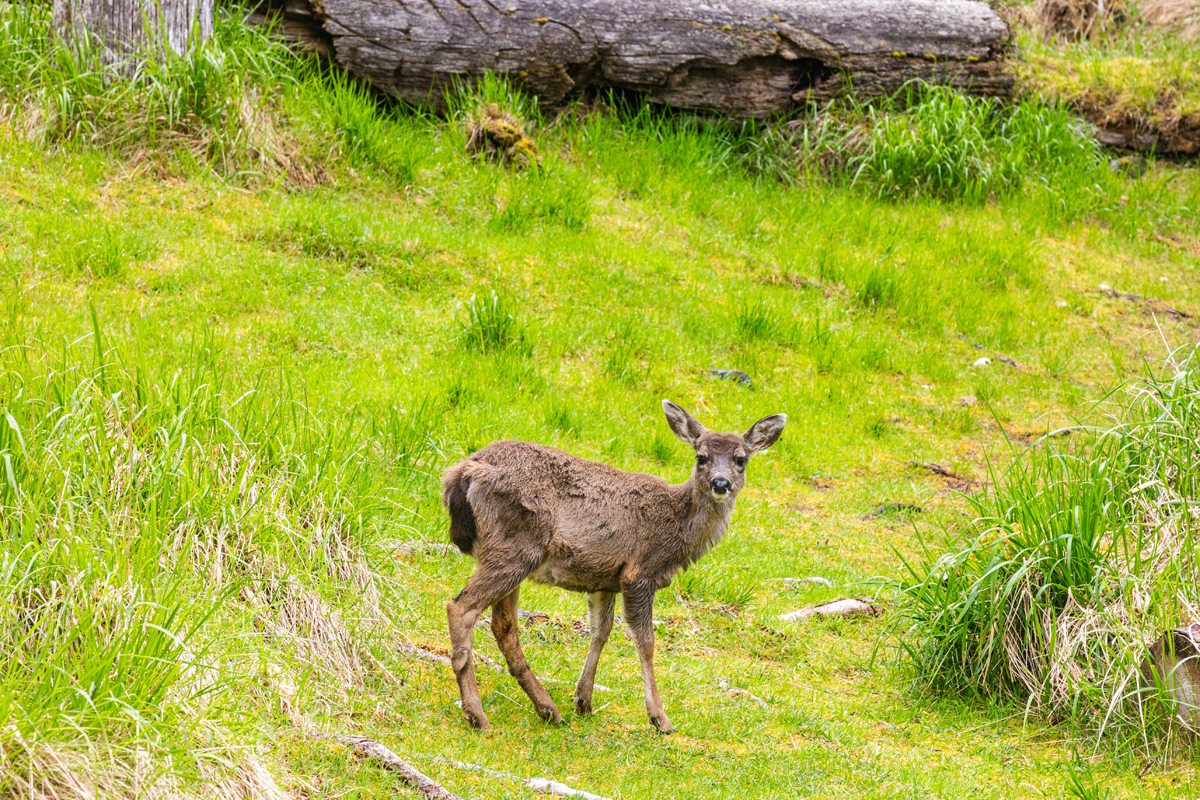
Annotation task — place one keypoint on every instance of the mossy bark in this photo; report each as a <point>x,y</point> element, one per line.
<point>742,59</point>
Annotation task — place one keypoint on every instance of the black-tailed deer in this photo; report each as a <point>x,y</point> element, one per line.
<point>528,511</point>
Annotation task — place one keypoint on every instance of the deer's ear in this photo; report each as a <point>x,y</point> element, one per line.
<point>763,433</point>
<point>683,424</point>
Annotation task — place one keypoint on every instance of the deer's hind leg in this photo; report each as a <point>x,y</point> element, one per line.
<point>600,622</point>
<point>506,627</point>
<point>484,587</point>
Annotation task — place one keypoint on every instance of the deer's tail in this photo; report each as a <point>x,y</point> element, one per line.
<point>463,531</point>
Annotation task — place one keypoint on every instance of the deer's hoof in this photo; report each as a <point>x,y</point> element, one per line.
<point>583,706</point>
<point>551,715</point>
<point>478,720</point>
<point>663,725</point>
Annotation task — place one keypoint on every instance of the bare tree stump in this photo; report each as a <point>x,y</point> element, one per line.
<point>743,58</point>
<point>125,27</point>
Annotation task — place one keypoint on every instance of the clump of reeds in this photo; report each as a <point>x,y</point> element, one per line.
<point>1081,555</point>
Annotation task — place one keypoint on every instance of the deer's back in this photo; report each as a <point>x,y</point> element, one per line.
<point>587,520</point>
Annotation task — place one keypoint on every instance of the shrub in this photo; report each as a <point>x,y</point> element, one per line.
<point>1080,556</point>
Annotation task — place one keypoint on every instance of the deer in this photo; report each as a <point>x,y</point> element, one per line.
<point>528,511</point>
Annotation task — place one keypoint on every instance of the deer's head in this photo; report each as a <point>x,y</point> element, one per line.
<point>721,458</point>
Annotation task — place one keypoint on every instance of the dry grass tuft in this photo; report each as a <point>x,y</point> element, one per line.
<point>1181,14</point>
<point>1079,20</point>
<point>44,772</point>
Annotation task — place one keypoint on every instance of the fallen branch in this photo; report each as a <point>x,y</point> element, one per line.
<point>1154,305</point>
<point>842,607</point>
<point>733,691</point>
<point>413,651</point>
<point>529,617</point>
<point>388,760</point>
<point>960,482</point>
<point>537,784</point>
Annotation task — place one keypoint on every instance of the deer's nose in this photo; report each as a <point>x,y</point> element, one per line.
<point>720,485</point>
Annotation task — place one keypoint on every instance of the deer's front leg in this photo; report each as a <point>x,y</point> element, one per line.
<point>600,620</point>
<point>639,615</point>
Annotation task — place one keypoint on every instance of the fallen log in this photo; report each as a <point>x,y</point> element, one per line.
<point>747,58</point>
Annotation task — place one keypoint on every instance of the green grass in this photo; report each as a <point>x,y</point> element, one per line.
<point>1137,78</point>
<point>230,379</point>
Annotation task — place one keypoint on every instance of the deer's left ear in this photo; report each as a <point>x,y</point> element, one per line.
<point>763,433</point>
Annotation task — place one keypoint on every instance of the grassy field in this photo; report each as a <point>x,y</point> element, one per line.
<point>249,315</point>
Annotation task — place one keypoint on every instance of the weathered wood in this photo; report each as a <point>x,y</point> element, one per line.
<point>126,27</point>
<point>842,607</point>
<point>743,58</point>
<point>368,748</point>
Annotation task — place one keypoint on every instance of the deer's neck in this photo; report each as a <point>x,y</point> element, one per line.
<point>704,521</point>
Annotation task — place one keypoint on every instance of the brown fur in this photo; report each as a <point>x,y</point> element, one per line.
<point>529,511</point>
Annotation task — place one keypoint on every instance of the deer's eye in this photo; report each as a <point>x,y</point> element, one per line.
<point>701,460</point>
<point>740,461</point>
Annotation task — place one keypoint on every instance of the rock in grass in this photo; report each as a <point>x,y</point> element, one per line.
<point>982,361</point>
<point>734,374</point>
<point>842,607</point>
<point>1129,166</point>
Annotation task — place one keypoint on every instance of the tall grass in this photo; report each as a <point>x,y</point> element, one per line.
<point>936,142</point>
<point>215,103</point>
<point>1081,555</point>
<point>151,515</point>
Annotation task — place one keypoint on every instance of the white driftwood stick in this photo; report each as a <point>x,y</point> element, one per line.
<point>388,760</point>
<point>733,691</point>
<point>842,607</point>
<point>537,784</point>
<point>814,579</point>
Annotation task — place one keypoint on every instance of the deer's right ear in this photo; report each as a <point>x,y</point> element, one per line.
<point>683,424</point>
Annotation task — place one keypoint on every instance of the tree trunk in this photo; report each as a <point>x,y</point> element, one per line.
<point>743,58</point>
<point>127,27</point>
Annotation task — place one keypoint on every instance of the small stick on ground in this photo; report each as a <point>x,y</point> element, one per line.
<point>733,691</point>
<point>417,548</point>
<point>1155,306</point>
<point>410,775</point>
<point>537,784</point>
